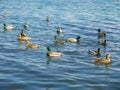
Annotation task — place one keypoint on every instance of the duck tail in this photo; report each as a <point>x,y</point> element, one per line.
<point>94,60</point>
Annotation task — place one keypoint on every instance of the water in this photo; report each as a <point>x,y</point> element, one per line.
<point>31,69</point>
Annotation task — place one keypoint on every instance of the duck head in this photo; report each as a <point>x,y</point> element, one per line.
<point>78,38</point>
<point>48,48</point>
<point>4,25</point>
<point>98,30</point>
<point>108,56</point>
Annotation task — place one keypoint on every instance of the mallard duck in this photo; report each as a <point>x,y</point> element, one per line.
<point>47,19</point>
<point>31,45</point>
<point>59,30</point>
<point>22,36</point>
<point>58,41</point>
<point>22,33</point>
<point>104,43</point>
<point>25,25</point>
<point>94,52</point>
<point>103,60</point>
<point>53,54</point>
<point>4,15</point>
<point>10,27</point>
<point>74,40</point>
<point>101,34</point>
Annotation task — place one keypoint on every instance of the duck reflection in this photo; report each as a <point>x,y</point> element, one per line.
<point>50,59</point>
<point>107,65</point>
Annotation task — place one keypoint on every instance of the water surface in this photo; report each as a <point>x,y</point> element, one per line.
<point>31,69</point>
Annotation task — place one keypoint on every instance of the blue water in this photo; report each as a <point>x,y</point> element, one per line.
<point>31,69</point>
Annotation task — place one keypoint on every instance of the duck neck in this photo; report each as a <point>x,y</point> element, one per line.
<point>78,39</point>
<point>107,57</point>
<point>105,42</point>
<point>98,51</point>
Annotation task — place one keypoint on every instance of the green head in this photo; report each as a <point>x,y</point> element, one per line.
<point>79,38</point>
<point>4,25</point>
<point>48,48</point>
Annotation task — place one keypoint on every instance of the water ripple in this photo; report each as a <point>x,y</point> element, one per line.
<point>31,69</point>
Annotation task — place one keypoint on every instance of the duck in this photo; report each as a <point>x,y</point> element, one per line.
<point>59,30</point>
<point>31,45</point>
<point>22,36</point>
<point>74,40</point>
<point>58,41</point>
<point>10,27</point>
<point>104,42</point>
<point>4,15</point>
<point>103,60</point>
<point>47,19</point>
<point>95,52</point>
<point>100,33</point>
<point>53,54</point>
<point>22,33</point>
<point>25,25</point>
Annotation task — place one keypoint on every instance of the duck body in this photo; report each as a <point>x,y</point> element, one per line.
<point>94,52</point>
<point>101,34</point>
<point>25,25</point>
<point>103,60</point>
<point>53,54</point>
<point>47,19</point>
<point>58,41</point>
<point>4,15</point>
<point>104,43</point>
<point>59,30</point>
<point>10,27</point>
<point>23,38</point>
<point>31,45</point>
<point>74,40</point>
